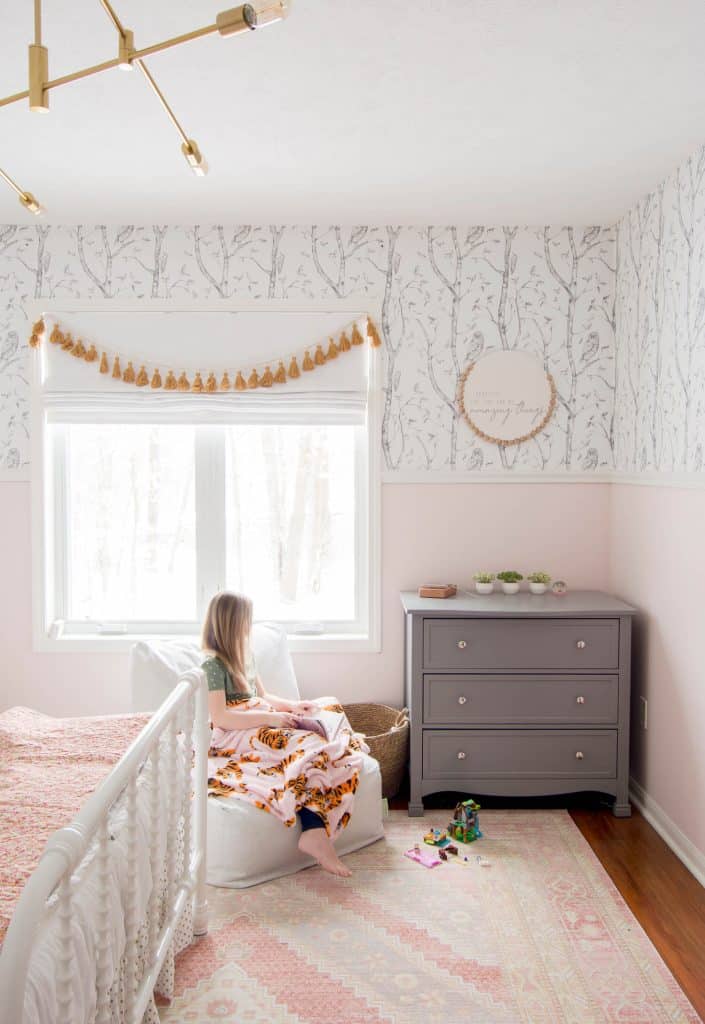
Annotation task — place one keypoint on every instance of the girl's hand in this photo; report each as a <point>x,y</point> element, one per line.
<point>307,706</point>
<point>280,720</point>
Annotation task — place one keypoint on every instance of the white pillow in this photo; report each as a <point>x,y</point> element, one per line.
<point>156,666</point>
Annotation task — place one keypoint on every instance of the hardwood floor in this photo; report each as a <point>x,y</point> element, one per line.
<point>662,894</point>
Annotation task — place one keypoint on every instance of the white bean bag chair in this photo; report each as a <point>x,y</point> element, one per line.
<point>244,845</point>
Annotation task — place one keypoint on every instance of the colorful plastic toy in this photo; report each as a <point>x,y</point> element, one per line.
<point>436,837</point>
<point>465,826</point>
<point>428,858</point>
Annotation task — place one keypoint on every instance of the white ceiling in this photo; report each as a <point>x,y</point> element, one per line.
<point>362,111</point>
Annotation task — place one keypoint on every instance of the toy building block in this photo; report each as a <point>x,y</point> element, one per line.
<point>436,837</point>
<point>465,825</point>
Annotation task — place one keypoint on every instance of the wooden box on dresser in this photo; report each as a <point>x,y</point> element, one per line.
<point>518,695</point>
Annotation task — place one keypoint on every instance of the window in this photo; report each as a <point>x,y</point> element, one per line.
<point>147,503</point>
<point>149,520</point>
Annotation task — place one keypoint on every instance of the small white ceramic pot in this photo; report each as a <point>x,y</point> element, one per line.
<point>510,588</point>
<point>484,588</point>
<point>537,588</point>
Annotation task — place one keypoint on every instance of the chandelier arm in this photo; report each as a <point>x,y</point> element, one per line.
<point>110,11</point>
<point>162,99</point>
<point>11,182</point>
<point>106,65</point>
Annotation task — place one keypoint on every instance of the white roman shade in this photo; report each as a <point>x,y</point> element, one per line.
<point>203,341</point>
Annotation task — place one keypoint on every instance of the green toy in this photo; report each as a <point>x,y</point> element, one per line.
<point>465,826</point>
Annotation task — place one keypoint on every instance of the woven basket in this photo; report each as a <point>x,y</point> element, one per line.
<point>386,732</point>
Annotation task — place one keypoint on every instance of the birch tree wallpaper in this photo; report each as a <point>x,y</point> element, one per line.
<point>661,327</point>
<point>446,295</point>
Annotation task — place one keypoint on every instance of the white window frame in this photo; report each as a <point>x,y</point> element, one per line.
<point>48,479</point>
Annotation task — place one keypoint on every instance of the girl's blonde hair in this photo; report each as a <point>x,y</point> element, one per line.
<point>226,631</point>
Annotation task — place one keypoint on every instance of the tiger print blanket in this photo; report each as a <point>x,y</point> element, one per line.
<point>281,770</point>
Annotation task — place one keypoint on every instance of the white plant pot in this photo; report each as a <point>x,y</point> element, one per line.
<point>510,588</point>
<point>537,588</point>
<point>484,588</point>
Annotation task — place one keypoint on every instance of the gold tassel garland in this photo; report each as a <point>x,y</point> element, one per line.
<point>373,335</point>
<point>35,338</point>
<point>336,346</point>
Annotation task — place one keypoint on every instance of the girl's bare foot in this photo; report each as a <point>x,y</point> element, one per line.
<point>316,844</point>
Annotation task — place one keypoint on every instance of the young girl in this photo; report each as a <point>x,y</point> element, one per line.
<point>237,701</point>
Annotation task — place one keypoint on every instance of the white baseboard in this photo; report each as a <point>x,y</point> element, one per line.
<point>684,849</point>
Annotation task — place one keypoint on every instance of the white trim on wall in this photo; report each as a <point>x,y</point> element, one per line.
<point>684,849</point>
<point>689,481</point>
<point>460,477</point>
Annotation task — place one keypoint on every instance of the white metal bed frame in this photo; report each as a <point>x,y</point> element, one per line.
<point>180,809</point>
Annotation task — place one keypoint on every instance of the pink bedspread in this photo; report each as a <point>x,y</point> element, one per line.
<point>48,766</point>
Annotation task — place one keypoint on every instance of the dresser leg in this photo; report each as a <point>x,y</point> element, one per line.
<point>416,809</point>
<point>622,810</point>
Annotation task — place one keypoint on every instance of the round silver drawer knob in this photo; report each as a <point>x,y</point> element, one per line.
<point>461,755</point>
<point>579,755</point>
<point>462,700</point>
<point>579,700</point>
<point>581,645</point>
<point>462,644</point>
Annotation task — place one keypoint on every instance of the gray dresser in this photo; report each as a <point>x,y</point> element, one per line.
<point>518,695</point>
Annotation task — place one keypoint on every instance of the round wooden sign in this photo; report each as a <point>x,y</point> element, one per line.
<point>507,396</point>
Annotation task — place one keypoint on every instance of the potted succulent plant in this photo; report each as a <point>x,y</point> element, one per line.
<point>484,582</point>
<point>510,581</point>
<point>538,581</point>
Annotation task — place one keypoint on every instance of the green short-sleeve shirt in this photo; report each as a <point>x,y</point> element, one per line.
<point>219,678</point>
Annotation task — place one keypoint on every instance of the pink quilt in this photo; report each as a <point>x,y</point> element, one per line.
<point>48,767</point>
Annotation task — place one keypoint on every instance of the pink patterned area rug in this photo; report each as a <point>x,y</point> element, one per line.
<point>538,934</point>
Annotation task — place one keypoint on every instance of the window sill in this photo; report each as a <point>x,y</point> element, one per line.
<point>76,643</point>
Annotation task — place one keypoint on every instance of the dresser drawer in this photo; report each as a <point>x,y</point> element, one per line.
<point>515,753</point>
<point>520,699</point>
<point>524,644</point>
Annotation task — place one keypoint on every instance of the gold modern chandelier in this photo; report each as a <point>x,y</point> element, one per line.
<point>244,18</point>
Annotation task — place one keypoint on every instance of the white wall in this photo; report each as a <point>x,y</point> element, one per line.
<point>656,521</point>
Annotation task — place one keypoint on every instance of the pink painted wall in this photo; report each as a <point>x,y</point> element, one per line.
<point>429,532</point>
<point>656,562</point>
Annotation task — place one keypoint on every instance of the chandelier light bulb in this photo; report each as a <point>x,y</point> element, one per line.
<point>266,12</point>
<point>31,203</point>
<point>194,158</point>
